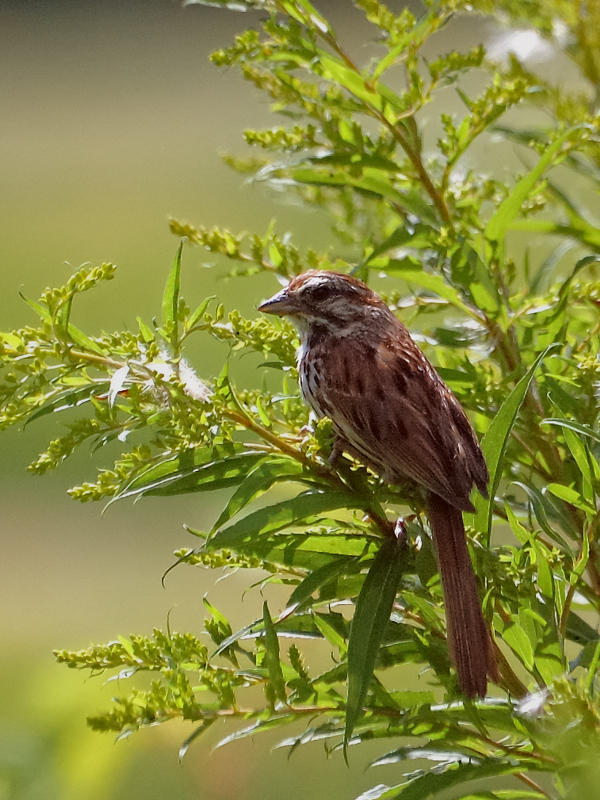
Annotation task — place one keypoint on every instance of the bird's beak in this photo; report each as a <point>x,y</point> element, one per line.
<point>281,303</point>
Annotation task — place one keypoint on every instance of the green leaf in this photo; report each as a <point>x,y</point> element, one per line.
<point>576,427</point>
<point>62,317</point>
<point>521,533</point>
<point>512,204</point>
<point>516,638</point>
<point>371,181</point>
<point>580,631</point>
<point>413,237</point>
<point>547,267</point>
<point>146,331</point>
<point>309,625</point>
<point>593,668</point>
<point>170,299</point>
<point>416,33</point>
<point>273,518</point>
<point>198,313</point>
<point>246,632</point>
<point>432,751</point>
<point>264,475</point>
<point>272,656</point>
<point>314,580</point>
<point>203,726</point>
<point>262,726</point>
<point>371,618</point>
<point>331,633</point>
<point>336,71</point>
<point>79,338</point>
<point>195,470</point>
<point>583,458</point>
<point>431,282</point>
<point>218,626</point>
<point>432,784</point>
<point>540,505</point>
<point>72,398</point>
<point>587,464</point>
<point>571,496</point>
<point>494,444</point>
<point>42,311</point>
<point>304,550</point>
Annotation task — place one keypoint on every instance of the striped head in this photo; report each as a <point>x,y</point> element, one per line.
<point>331,300</point>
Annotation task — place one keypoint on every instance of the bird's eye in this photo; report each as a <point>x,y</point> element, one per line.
<point>319,293</point>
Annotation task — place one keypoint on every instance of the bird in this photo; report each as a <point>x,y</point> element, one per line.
<point>389,408</point>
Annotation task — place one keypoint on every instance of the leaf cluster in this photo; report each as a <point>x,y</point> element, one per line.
<point>514,332</point>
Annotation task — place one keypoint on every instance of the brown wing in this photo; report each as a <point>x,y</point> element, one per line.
<point>393,408</point>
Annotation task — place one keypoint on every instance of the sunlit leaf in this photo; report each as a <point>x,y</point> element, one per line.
<point>577,427</point>
<point>71,398</point>
<point>430,784</point>
<point>273,518</point>
<point>188,472</point>
<point>511,206</point>
<point>303,550</point>
<point>314,581</point>
<point>198,312</point>
<point>516,638</point>
<point>170,300</point>
<point>272,656</point>
<point>265,474</point>
<point>262,726</point>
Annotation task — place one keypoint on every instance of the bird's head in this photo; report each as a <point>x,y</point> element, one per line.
<point>328,299</point>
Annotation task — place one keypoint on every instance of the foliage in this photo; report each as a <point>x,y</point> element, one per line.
<point>515,334</point>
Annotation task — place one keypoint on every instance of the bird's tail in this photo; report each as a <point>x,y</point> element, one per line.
<point>469,639</point>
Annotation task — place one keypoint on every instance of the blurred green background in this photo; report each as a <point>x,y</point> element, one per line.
<point>112,118</point>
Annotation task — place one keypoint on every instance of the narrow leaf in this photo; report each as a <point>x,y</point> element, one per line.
<point>257,727</point>
<point>511,206</point>
<point>272,656</point>
<point>308,551</point>
<point>183,474</point>
<point>170,300</point>
<point>203,726</point>
<point>79,337</point>
<point>146,332</point>
<point>432,751</point>
<point>198,313</point>
<point>42,311</point>
<point>281,515</point>
<point>371,617</point>
<point>431,282</point>
<point>539,503</point>
<point>72,398</point>
<point>516,638</point>
<point>266,473</point>
<point>432,784</point>
<point>244,632</point>
<point>494,443</point>
<point>313,581</point>
<point>577,427</point>
<point>329,631</point>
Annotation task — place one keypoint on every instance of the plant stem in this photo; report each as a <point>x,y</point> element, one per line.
<point>413,154</point>
<point>532,784</point>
